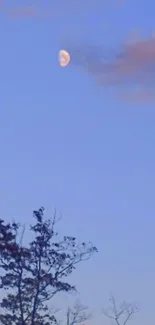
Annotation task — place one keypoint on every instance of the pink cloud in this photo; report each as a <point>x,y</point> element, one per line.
<point>23,12</point>
<point>31,12</point>
<point>56,9</point>
<point>36,11</point>
<point>141,51</point>
<point>50,10</point>
<point>141,96</point>
<point>134,64</point>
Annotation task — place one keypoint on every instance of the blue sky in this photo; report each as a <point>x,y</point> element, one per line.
<point>67,143</point>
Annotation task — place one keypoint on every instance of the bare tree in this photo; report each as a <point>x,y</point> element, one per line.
<point>120,314</point>
<point>77,315</point>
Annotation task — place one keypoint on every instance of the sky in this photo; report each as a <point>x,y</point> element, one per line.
<point>71,143</point>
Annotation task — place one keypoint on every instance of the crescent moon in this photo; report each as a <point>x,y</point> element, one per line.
<point>64,58</point>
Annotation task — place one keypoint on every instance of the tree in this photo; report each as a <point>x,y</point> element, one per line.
<point>77,315</point>
<point>32,275</point>
<point>122,314</point>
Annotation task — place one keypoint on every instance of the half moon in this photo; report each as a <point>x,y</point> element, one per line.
<point>64,58</point>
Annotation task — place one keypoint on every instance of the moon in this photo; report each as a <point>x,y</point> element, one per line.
<point>64,58</point>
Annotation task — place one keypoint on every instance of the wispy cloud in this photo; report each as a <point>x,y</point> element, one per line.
<point>53,9</point>
<point>50,9</point>
<point>28,11</point>
<point>140,96</point>
<point>133,65</point>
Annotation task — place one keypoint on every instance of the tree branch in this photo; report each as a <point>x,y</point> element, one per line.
<point>122,314</point>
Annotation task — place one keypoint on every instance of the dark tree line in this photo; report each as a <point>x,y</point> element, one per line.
<point>31,275</point>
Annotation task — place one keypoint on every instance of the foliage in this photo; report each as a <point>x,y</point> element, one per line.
<point>32,275</point>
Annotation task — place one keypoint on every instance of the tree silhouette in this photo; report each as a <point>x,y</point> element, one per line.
<point>33,274</point>
<point>77,315</point>
<point>120,314</point>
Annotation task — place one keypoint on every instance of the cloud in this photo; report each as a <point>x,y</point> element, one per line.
<point>23,12</point>
<point>133,64</point>
<point>53,9</point>
<point>42,11</point>
<point>33,12</point>
<point>140,96</point>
